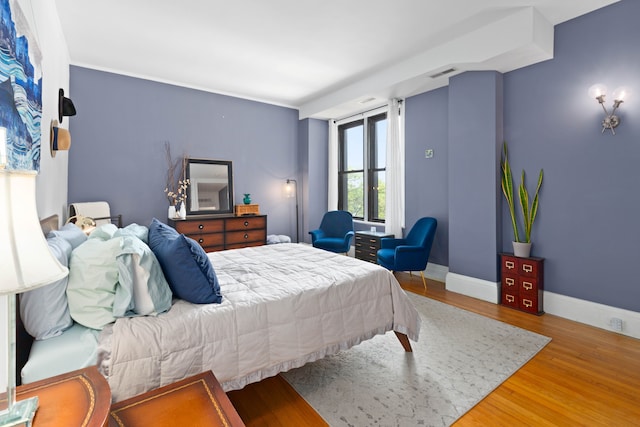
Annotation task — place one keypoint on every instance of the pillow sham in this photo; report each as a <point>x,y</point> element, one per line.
<point>93,281</point>
<point>45,311</point>
<point>141,275</point>
<point>185,265</point>
<point>71,233</point>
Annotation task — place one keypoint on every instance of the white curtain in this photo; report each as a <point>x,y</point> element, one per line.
<point>394,213</point>
<point>333,166</point>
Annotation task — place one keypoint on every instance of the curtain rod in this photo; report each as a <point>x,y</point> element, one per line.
<point>400,101</point>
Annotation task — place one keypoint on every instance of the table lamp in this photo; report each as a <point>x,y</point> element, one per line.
<point>25,263</point>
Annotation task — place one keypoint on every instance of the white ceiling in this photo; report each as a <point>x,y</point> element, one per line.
<point>327,59</point>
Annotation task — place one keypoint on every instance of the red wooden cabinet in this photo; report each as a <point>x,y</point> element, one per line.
<point>522,283</point>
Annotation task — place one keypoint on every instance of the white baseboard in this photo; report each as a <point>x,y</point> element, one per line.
<point>470,286</point>
<point>587,312</point>
<point>436,272</point>
<point>592,313</point>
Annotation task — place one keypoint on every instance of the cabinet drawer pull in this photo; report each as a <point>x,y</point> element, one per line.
<point>246,223</point>
<point>527,268</point>
<point>246,236</point>
<point>373,240</point>
<point>511,298</point>
<point>373,247</point>
<point>510,265</point>
<point>527,303</point>
<point>200,240</point>
<point>509,281</point>
<point>527,285</point>
<point>200,226</point>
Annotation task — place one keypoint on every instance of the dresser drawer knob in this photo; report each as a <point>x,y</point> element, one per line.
<point>511,298</point>
<point>510,264</point>
<point>509,281</point>
<point>527,285</point>
<point>246,223</point>
<point>246,236</point>
<point>200,226</point>
<point>200,240</point>
<point>527,303</point>
<point>527,268</point>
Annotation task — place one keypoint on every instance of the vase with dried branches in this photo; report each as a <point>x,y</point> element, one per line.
<point>177,183</point>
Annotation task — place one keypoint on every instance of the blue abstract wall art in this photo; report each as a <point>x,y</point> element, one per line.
<point>20,88</point>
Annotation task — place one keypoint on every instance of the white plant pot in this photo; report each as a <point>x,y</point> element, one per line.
<point>522,250</point>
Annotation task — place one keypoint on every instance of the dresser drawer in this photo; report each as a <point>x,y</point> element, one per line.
<point>367,245</point>
<point>211,240</point>
<point>235,237</point>
<point>245,223</point>
<point>199,226</point>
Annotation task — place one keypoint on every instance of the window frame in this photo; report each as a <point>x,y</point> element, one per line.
<point>368,122</point>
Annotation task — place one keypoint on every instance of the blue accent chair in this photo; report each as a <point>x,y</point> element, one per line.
<point>412,252</point>
<point>335,232</point>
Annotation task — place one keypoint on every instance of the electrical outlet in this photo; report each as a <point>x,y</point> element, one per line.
<point>428,153</point>
<point>616,324</point>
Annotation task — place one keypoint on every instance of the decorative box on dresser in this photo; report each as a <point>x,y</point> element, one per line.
<point>368,243</point>
<point>219,232</point>
<point>522,283</point>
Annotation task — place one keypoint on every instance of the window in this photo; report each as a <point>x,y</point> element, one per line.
<point>362,148</point>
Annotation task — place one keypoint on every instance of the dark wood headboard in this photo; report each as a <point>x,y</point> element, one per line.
<point>23,339</point>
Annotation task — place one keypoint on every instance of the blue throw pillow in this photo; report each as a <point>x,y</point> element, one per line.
<point>185,265</point>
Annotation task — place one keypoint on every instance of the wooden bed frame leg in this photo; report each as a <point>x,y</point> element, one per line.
<point>404,340</point>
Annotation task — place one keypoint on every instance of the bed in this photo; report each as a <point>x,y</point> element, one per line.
<point>283,306</point>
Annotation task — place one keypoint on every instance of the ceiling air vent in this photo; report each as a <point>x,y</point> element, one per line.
<point>442,73</point>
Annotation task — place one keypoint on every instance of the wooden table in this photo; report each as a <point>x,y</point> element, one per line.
<point>78,398</point>
<point>195,401</point>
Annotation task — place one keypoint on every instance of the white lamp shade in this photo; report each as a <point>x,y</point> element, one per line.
<point>25,260</point>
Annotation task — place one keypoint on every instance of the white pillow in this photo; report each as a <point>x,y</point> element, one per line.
<point>141,274</point>
<point>93,281</point>
<point>44,311</point>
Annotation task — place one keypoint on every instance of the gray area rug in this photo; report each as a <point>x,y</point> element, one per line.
<point>460,358</point>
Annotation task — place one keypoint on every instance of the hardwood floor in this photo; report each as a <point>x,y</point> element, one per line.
<point>585,376</point>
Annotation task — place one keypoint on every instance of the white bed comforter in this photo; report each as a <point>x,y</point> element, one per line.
<point>284,305</point>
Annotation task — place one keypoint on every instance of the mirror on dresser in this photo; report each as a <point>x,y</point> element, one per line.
<point>210,187</point>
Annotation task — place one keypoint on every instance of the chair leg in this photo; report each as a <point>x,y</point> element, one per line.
<point>424,282</point>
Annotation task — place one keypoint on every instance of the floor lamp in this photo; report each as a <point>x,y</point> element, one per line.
<point>292,191</point>
<point>25,263</point>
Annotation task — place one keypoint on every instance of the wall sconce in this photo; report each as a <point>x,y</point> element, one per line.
<point>291,190</point>
<point>599,91</point>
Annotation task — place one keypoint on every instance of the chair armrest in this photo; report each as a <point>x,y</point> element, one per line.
<point>316,234</point>
<point>348,237</point>
<point>390,242</point>
<point>409,249</point>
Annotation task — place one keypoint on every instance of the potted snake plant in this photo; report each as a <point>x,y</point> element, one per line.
<point>521,248</point>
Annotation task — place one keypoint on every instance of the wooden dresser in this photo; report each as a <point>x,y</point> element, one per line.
<point>522,283</point>
<point>367,245</point>
<point>216,233</point>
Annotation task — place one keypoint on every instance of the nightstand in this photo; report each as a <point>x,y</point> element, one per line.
<point>77,398</point>
<point>522,283</point>
<point>368,243</point>
<point>194,401</point>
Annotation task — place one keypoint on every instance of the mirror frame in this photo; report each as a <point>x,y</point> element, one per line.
<point>193,183</point>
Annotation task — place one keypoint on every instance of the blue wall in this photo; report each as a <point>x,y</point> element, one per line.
<point>427,181</point>
<point>123,122</point>
<point>587,225</point>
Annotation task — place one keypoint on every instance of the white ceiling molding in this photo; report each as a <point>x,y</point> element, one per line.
<point>323,59</point>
